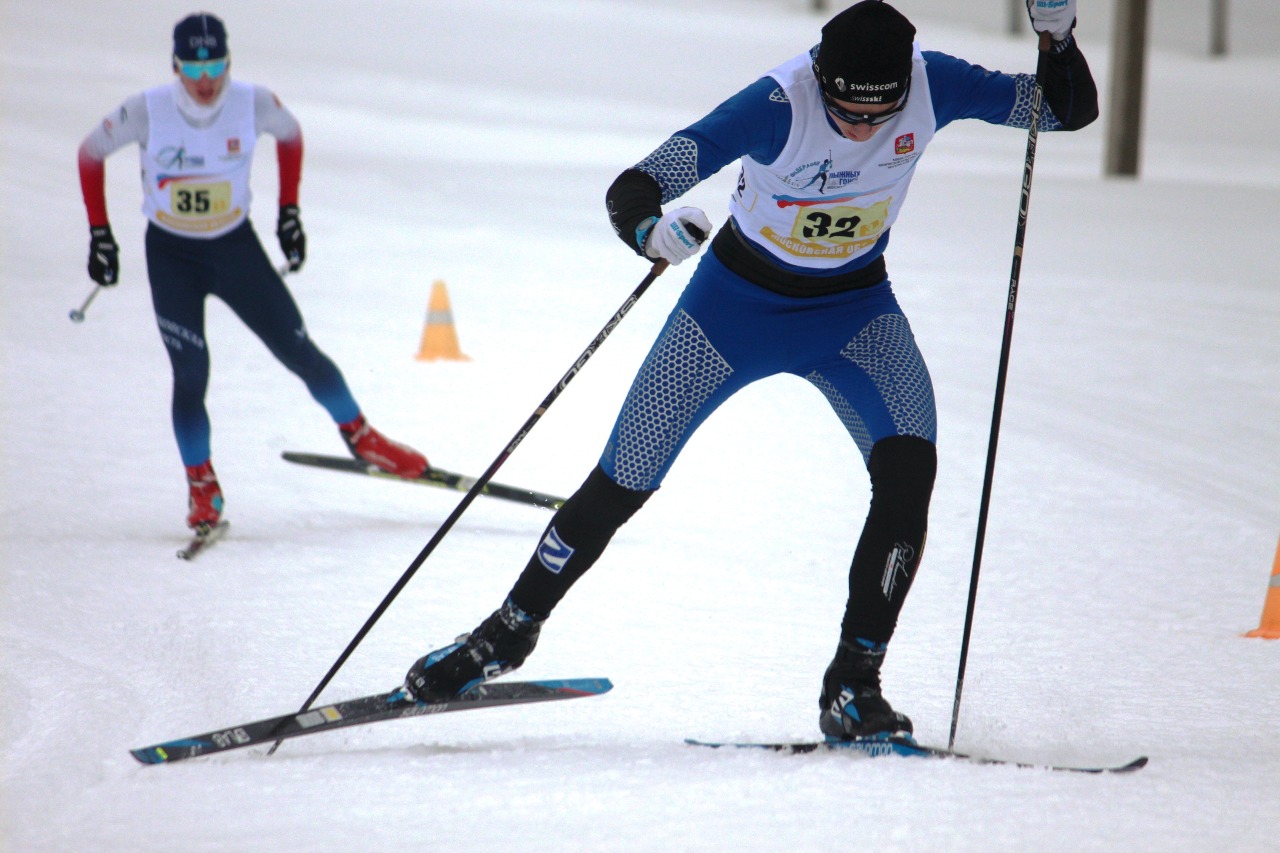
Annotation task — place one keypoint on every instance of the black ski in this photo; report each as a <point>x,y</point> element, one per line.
<point>366,709</point>
<point>431,477</point>
<point>908,747</point>
<point>203,538</point>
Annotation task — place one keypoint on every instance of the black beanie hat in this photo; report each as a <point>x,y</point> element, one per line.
<point>199,37</point>
<point>865,54</point>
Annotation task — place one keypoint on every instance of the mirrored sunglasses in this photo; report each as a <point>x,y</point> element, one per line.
<point>864,118</point>
<point>194,70</point>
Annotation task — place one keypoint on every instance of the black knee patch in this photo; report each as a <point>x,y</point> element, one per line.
<point>600,501</point>
<point>902,468</point>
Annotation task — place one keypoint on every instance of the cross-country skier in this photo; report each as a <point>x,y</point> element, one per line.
<point>795,283</point>
<point>196,138</point>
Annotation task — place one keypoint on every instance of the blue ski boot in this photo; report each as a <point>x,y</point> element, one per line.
<point>851,702</point>
<point>499,645</point>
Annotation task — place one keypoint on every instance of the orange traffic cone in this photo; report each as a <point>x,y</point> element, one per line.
<point>1270,625</point>
<point>439,338</point>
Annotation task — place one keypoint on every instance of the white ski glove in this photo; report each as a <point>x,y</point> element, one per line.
<point>677,235</point>
<point>1055,17</point>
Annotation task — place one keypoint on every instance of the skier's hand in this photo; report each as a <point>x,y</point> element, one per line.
<point>104,256</point>
<point>293,242</point>
<point>678,235</point>
<point>1055,17</point>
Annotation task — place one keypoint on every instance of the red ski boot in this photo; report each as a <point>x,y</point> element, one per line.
<point>205,502</point>
<point>368,444</point>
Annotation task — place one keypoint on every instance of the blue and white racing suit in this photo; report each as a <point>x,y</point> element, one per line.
<point>796,282</point>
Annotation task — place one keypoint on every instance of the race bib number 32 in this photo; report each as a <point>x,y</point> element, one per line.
<point>840,225</point>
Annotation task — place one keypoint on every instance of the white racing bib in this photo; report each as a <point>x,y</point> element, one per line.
<point>195,180</point>
<point>826,200</point>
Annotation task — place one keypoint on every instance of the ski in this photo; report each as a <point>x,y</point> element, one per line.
<point>202,539</point>
<point>431,477</point>
<point>907,746</point>
<point>366,709</point>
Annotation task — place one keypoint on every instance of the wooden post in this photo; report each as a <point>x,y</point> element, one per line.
<point>1218,28</point>
<point>1124,113</point>
<point>1016,16</point>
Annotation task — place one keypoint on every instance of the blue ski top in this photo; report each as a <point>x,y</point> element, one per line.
<point>776,117</point>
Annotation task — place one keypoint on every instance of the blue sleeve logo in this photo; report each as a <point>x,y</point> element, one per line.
<point>553,552</point>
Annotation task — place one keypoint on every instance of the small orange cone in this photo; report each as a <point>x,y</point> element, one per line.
<point>439,338</point>
<point>1270,626</point>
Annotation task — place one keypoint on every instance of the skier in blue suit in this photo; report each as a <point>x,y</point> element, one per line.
<point>795,282</point>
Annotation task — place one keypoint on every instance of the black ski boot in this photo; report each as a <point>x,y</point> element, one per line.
<point>851,702</point>
<point>499,645</point>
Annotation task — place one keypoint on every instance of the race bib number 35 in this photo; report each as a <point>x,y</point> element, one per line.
<point>199,201</point>
<point>199,207</point>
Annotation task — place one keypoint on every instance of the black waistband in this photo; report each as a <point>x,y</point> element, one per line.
<point>750,263</point>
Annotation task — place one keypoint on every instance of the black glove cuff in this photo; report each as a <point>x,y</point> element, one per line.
<point>1069,87</point>
<point>631,199</point>
<point>1060,47</point>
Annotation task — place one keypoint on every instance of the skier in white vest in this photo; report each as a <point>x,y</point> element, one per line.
<point>196,138</point>
<point>795,282</point>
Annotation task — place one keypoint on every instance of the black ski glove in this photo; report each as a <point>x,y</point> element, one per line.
<point>104,256</point>
<point>292,241</point>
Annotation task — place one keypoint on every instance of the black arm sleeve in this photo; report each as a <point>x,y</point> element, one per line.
<point>631,199</point>
<point>1068,85</point>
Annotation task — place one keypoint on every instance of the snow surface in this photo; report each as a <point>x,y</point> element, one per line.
<point>1133,522</point>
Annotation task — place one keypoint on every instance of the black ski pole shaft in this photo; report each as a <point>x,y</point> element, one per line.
<point>77,314</point>
<point>655,271</point>
<point>1037,103</point>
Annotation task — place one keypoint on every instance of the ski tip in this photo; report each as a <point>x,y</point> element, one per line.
<point>582,686</point>
<point>1137,764</point>
<point>566,688</point>
<point>160,753</point>
<point>149,755</point>
<point>203,537</point>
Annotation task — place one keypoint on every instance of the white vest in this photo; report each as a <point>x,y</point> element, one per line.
<point>826,200</point>
<point>195,180</point>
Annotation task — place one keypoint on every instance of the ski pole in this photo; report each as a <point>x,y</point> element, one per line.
<point>1037,103</point>
<point>77,314</point>
<point>655,271</point>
